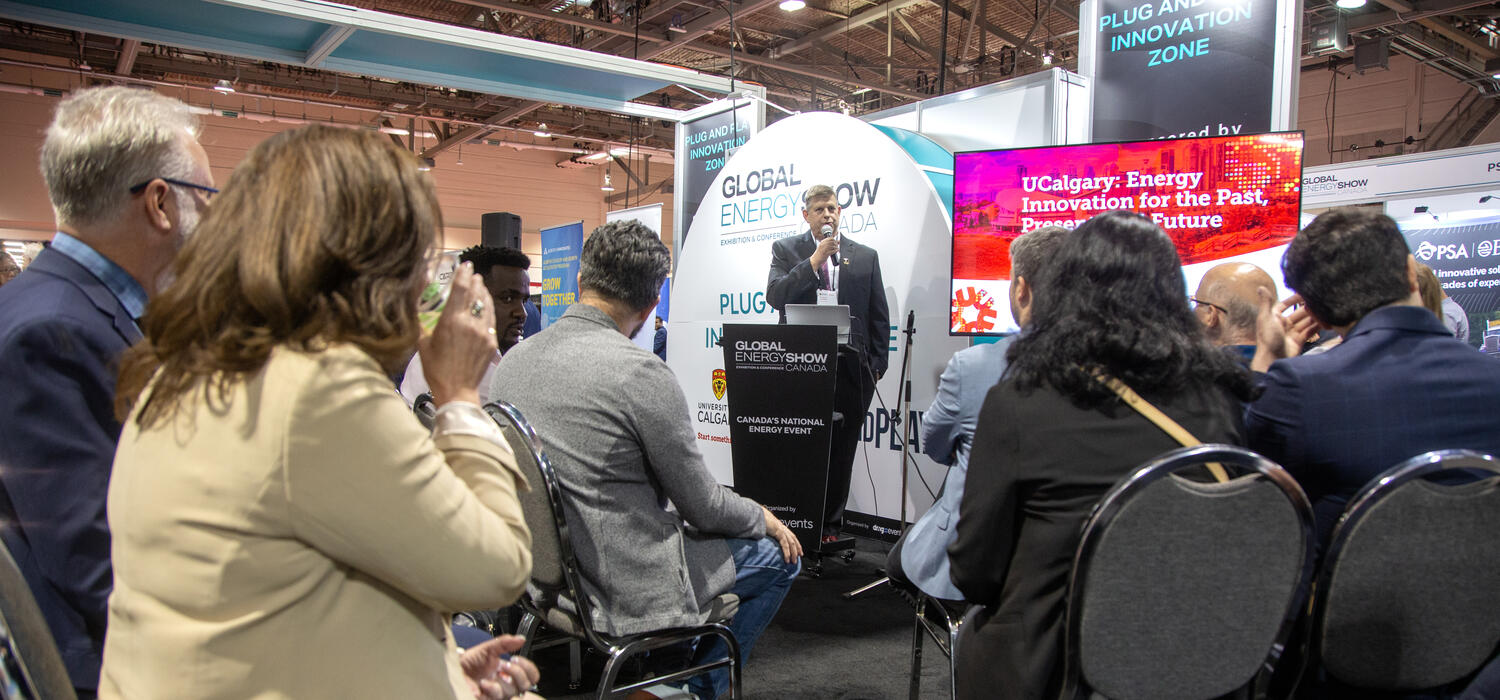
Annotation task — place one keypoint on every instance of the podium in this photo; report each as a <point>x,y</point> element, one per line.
<point>780,384</point>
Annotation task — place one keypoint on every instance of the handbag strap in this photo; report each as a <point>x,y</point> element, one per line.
<point>1161,420</point>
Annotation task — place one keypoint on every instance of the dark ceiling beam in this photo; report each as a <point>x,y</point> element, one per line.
<point>129,49</point>
<point>838,27</point>
<point>665,187</point>
<point>1403,9</point>
<point>698,28</point>
<point>788,67</point>
<point>621,29</point>
<point>1381,20</point>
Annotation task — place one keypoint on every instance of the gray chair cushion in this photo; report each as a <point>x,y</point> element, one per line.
<point>1413,600</point>
<point>1188,587</point>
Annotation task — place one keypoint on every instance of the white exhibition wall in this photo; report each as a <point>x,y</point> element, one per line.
<point>889,204</point>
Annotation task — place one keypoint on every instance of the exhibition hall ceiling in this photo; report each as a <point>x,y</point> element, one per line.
<point>853,55</point>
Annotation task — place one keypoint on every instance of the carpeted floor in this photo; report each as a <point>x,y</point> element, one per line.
<point>820,645</point>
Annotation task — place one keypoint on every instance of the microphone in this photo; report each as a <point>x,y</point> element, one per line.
<point>826,231</point>
<point>911,320</point>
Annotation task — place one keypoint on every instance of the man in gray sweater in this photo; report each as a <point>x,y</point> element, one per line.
<point>657,538</point>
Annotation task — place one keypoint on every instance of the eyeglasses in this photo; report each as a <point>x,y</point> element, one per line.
<point>1201,302</point>
<point>511,296</point>
<point>137,189</point>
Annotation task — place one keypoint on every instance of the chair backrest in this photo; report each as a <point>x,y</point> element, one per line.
<point>28,640</point>
<point>1184,589</point>
<point>554,570</point>
<point>1409,593</point>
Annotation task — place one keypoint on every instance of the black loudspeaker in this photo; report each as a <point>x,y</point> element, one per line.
<point>500,229</point>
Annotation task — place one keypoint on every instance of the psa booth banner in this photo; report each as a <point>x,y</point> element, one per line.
<point>894,187</point>
<point>1183,68</point>
<point>561,246</point>
<point>1466,260</point>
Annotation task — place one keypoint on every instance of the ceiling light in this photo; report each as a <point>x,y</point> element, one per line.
<point>620,151</point>
<point>541,131</point>
<point>607,187</point>
<point>426,164</point>
<point>793,5</point>
<point>224,86</point>
<point>1350,4</point>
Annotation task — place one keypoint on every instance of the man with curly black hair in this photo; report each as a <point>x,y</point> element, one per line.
<point>504,274</point>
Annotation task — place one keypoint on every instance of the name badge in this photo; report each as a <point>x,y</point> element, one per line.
<point>828,297</point>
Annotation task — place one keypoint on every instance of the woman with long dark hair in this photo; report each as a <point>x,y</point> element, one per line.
<point>283,526</point>
<point>1052,438</point>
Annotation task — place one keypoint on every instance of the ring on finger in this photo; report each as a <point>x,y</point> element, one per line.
<point>491,330</point>
<point>477,308</point>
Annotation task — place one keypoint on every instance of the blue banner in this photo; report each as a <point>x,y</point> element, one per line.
<point>561,246</point>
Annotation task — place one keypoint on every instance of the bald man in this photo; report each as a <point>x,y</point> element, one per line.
<point>1227,304</point>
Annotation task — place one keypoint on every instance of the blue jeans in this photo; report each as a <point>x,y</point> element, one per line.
<point>761,580</point>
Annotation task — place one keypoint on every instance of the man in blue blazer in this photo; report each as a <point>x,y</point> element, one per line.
<point>1397,386</point>
<point>920,557</point>
<point>821,265</point>
<point>128,182</point>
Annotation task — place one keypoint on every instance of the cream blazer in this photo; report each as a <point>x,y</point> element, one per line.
<point>303,537</point>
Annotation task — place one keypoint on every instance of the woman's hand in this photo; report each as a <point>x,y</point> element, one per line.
<point>462,345</point>
<point>494,674</point>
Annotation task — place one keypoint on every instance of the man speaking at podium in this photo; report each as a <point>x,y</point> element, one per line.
<point>822,267</point>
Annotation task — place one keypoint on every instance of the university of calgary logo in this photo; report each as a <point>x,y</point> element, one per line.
<point>721,382</point>
<point>973,311</point>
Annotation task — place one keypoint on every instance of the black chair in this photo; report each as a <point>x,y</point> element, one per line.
<point>1185,588</point>
<point>29,653</point>
<point>555,595</point>
<point>941,621</point>
<point>1409,592</point>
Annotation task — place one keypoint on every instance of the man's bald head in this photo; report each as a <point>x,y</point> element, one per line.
<point>1228,302</point>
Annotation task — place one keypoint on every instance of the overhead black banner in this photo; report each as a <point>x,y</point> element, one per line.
<point>1183,68</point>
<point>780,386</point>
<point>709,141</point>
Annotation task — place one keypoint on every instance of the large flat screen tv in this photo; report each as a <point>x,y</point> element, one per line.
<point>1217,197</point>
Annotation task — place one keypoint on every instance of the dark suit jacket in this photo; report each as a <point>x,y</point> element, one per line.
<point>793,281</point>
<point>1399,385</point>
<point>1037,467</point>
<point>61,335</point>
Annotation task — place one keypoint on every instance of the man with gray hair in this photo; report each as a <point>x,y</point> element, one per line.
<point>657,538</point>
<point>1227,303</point>
<point>920,557</point>
<point>128,182</point>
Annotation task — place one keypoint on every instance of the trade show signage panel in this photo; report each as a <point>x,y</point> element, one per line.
<point>779,385</point>
<point>561,246</point>
<point>1183,68</point>
<point>1466,260</point>
<point>709,142</point>
<point>1410,176</point>
<point>1217,198</point>
<point>889,204</point>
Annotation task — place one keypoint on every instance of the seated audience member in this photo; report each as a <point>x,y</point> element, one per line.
<point>1399,385</point>
<point>656,537</point>
<point>1052,438</point>
<point>127,181</point>
<point>283,526</point>
<point>1440,304</point>
<point>8,268</point>
<point>1228,303</point>
<point>504,273</point>
<point>920,557</point>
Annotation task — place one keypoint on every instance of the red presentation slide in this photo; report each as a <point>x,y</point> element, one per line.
<point>1216,197</point>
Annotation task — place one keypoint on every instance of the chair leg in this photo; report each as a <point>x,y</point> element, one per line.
<point>529,623</point>
<point>953,627</point>
<point>917,633</point>
<point>575,665</point>
<point>607,678</point>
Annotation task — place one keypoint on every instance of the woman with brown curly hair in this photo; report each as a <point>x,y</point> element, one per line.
<point>283,526</point>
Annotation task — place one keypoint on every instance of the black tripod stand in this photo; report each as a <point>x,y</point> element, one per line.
<point>903,404</point>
